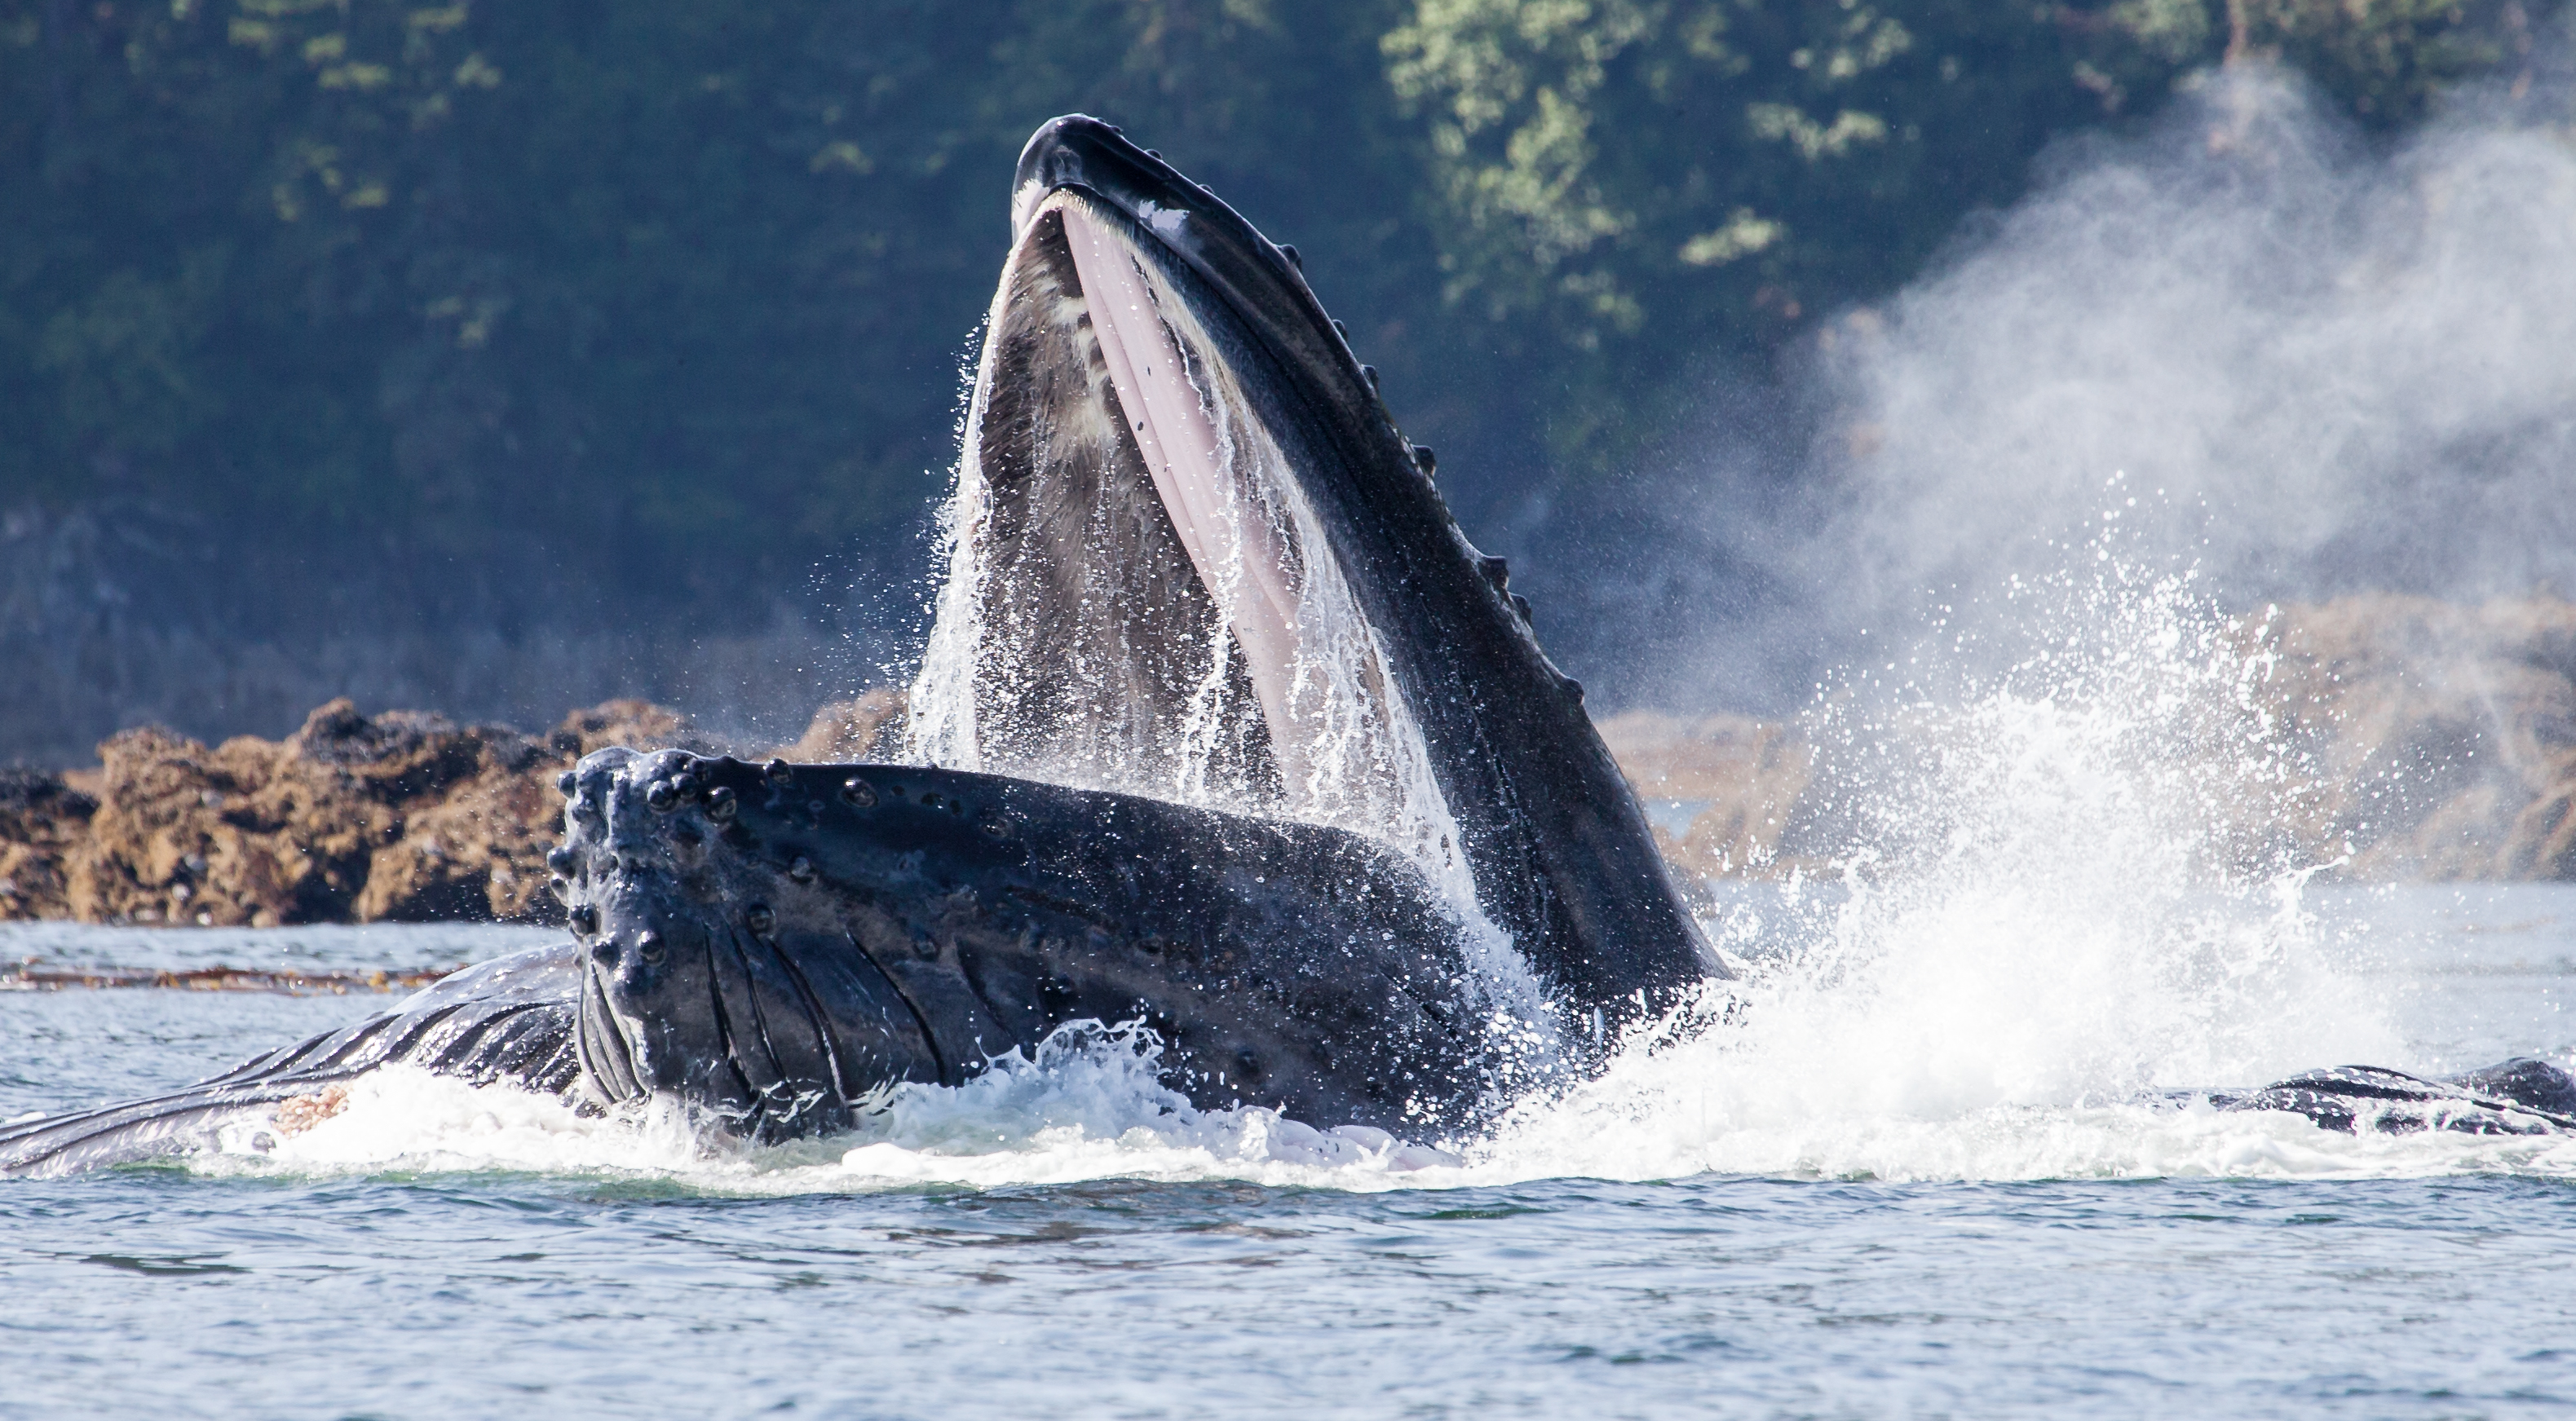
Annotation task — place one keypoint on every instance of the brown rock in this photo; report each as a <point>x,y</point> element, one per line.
<point>477,852</point>
<point>2442,740</point>
<point>637,725</point>
<point>222,836</point>
<point>400,816</point>
<point>476,847</point>
<point>860,729</point>
<point>2542,841</point>
<point>41,818</point>
<point>1741,777</point>
<point>2444,735</point>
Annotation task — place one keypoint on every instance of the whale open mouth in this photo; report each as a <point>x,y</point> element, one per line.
<point>1138,585</point>
<point>1192,557</point>
<point>1142,594</point>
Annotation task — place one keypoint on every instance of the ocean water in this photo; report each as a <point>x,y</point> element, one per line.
<point>1937,1151</point>
<point>1731,1225</point>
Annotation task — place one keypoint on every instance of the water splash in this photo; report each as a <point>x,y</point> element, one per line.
<point>1087,1104</point>
<point>2056,892</point>
<point>991,693</point>
<point>2085,862</point>
<point>2058,904</point>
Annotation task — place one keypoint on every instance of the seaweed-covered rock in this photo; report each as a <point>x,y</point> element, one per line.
<point>2441,736</point>
<point>477,847</point>
<point>398,816</point>
<point>635,724</point>
<point>2443,739</point>
<point>1738,780</point>
<point>241,833</point>
<point>258,832</point>
<point>862,728</point>
<point>41,819</point>
<point>2445,735</point>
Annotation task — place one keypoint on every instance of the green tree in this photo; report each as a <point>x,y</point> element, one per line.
<point>668,298</point>
<point>1642,178</point>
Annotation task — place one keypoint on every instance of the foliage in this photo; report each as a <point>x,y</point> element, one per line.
<point>1652,176</point>
<point>2384,58</point>
<point>673,295</point>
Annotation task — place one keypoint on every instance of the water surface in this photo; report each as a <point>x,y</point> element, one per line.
<point>1699,1234</point>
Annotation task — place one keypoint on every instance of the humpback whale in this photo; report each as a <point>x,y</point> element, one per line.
<point>1224,728</point>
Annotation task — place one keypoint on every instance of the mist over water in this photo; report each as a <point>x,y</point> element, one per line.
<point>2323,364</point>
<point>2243,357</point>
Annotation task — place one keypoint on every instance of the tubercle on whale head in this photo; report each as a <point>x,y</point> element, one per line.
<point>688,990</point>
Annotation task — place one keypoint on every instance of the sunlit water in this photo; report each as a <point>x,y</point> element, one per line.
<point>1062,1239</point>
<point>1937,1151</point>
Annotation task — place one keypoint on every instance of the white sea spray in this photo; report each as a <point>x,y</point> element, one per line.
<point>2058,909</point>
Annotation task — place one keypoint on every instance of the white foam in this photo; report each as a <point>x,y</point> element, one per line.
<point>1087,1106</point>
<point>403,1118</point>
<point>1087,1114</point>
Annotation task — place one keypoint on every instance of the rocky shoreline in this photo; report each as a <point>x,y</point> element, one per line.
<point>397,817</point>
<point>2419,740</point>
<point>2440,742</point>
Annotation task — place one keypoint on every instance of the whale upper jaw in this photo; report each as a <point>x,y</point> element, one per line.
<point>1503,776</point>
<point>1261,281</point>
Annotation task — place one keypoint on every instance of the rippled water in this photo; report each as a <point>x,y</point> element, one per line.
<point>1701,1232</point>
